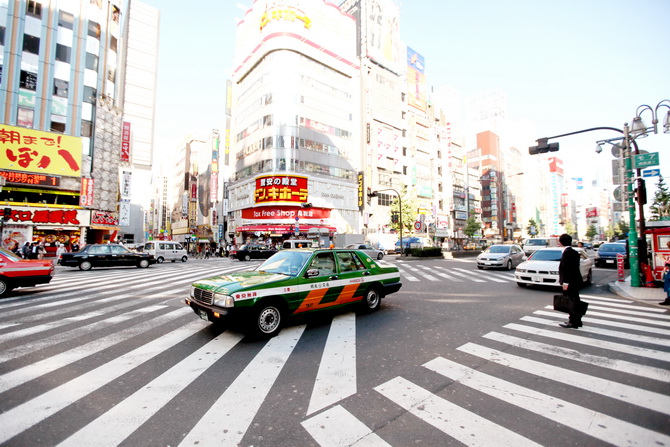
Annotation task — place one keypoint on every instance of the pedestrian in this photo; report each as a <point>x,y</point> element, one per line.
<point>25,250</point>
<point>207,251</point>
<point>570,278</point>
<point>666,285</point>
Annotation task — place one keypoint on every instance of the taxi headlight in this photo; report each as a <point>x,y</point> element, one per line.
<point>554,273</point>
<point>520,270</point>
<point>223,300</point>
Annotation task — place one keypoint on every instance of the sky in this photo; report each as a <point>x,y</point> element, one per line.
<point>563,65</point>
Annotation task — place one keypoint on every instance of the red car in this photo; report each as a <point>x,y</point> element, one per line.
<point>16,272</point>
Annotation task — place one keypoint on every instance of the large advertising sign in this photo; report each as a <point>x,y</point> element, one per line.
<point>281,188</point>
<point>86,191</point>
<point>416,80</point>
<point>383,34</point>
<point>28,150</point>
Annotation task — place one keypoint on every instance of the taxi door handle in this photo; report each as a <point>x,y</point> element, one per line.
<point>334,277</point>
<point>366,273</point>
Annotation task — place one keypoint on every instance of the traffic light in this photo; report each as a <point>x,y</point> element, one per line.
<point>394,217</point>
<point>641,192</point>
<point>6,214</point>
<point>542,147</point>
<point>370,195</point>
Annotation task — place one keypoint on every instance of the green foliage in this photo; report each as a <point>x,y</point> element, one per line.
<point>591,231</point>
<point>408,212</point>
<point>472,226</point>
<point>660,208</point>
<point>570,229</point>
<point>532,225</point>
<point>623,229</point>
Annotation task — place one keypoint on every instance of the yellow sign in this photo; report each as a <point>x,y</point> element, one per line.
<point>30,150</point>
<point>288,14</point>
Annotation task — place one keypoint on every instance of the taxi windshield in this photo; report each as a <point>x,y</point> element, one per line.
<point>547,255</point>
<point>285,262</point>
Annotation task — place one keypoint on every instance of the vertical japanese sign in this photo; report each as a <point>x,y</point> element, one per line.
<point>125,142</point>
<point>86,192</point>
<point>214,186</point>
<point>126,178</point>
<point>28,150</point>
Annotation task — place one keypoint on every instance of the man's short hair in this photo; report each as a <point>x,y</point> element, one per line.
<point>565,240</point>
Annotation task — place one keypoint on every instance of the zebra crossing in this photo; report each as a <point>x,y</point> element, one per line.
<point>64,349</point>
<point>417,272</point>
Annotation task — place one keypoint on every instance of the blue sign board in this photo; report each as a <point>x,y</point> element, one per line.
<point>651,172</point>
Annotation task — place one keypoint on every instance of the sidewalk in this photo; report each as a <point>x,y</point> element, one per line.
<point>647,295</point>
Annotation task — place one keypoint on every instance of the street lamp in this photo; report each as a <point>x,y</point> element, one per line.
<point>375,194</point>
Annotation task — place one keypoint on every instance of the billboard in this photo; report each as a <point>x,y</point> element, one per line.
<point>281,188</point>
<point>383,34</point>
<point>28,150</point>
<point>416,80</point>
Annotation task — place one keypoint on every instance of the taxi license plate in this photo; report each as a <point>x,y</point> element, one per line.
<point>537,279</point>
<point>487,263</point>
<point>203,314</point>
<point>610,261</point>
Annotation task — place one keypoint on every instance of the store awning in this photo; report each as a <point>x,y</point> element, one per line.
<point>282,229</point>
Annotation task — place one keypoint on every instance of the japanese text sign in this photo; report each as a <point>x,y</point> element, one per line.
<point>281,188</point>
<point>125,142</point>
<point>28,150</point>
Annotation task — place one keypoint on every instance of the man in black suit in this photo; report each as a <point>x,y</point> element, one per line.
<point>570,278</point>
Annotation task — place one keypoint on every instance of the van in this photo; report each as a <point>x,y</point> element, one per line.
<point>299,243</point>
<point>532,244</point>
<point>166,251</point>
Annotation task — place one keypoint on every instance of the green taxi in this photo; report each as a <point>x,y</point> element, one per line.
<point>292,282</point>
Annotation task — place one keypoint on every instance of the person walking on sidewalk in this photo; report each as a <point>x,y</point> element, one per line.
<point>666,285</point>
<point>570,278</point>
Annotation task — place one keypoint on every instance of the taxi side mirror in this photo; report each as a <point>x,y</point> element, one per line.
<point>312,273</point>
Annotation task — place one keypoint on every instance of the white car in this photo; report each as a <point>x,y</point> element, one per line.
<point>541,269</point>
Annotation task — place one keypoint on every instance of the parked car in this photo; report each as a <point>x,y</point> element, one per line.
<point>413,242</point>
<point>299,243</point>
<point>294,281</point>
<point>166,251</point>
<point>533,244</point>
<point>607,254</point>
<point>501,256</point>
<point>367,248</point>
<point>16,272</point>
<point>105,255</point>
<point>541,269</point>
<point>248,252</point>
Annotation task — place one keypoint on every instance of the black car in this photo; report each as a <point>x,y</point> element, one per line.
<point>252,251</point>
<point>607,254</point>
<point>105,255</point>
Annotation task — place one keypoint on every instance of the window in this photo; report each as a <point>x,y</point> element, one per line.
<point>89,94</point>
<point>94,29</point>
<point>60,88</point>
<point>25,117</point>
<point>92,62</point>
<point>2,35</point>
<point>66,20</point>
<point>28,80</point>
<point>62,53</point>
<point>113,43</point>
<point>31,44</point>
<point>57,127</point>
<point>111,74</point>
<point>34,9</point>
<point>86,128</point>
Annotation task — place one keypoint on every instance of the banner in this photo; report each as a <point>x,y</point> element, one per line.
<point>125,142</point>
<point>28,150</point>
<point>86,192</point>
<point>281,188</point>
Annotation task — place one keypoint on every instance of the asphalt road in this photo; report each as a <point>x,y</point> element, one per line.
<point>458,356</point>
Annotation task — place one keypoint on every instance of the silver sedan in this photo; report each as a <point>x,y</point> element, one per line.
<point>501,256</point>
<point>367,249</point>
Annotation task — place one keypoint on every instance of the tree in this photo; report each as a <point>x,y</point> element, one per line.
<point>408,213</point>
<point>532,227</point>
<point>472,226</point>
<point>570,229</point>
<point>660,209</point>
<point>591,231</point>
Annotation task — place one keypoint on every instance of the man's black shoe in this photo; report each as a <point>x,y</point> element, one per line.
<point>665,303</point>
<point>567,325</point>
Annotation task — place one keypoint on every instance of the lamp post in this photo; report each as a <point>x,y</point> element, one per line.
<point>374,194</point>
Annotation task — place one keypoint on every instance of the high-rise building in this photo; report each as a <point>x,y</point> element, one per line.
<point>62,120</point>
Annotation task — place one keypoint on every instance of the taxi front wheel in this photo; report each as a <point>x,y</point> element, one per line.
<point>372,299</point>
<point>267,320</point>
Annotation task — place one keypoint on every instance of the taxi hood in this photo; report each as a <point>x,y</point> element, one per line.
<point>229,284</point>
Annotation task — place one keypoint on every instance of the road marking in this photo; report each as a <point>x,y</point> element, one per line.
<point>42,367</point>
<point>336,427</point>
<point>636,369</point>
<point>602,298</point>
<point>488,275</point>
<point>24,416</point>
<point>228,419</point>
<point>590,422</point>
<point>457,422</point>
<point>625,393</point>
<point>111,428</point>
<point>590,319</point>
<point>407,276</point>
<point>627,317</point>
<point>465,275</point>
<point>336,378</point>
<point>606,332</point>
<point>425,275</point>
<point>618,347</point>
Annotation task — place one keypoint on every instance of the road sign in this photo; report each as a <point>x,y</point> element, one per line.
<point>417,225</point>
<point>655,172</point>
<point>645,160</point>
<point>617,193</point>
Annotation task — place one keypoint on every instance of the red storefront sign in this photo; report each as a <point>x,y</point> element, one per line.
<point>285,212</point>
<point>125,141</point>
<point>281,188</point>
<point>61,217</point>
<point>104,218</point>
